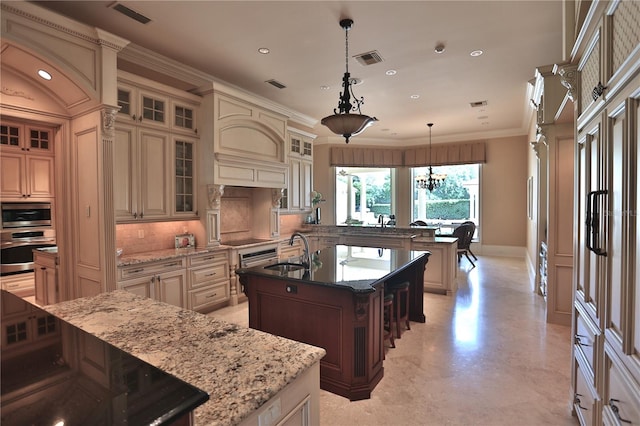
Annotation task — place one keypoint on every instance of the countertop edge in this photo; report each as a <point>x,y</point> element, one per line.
<point>108,317</point>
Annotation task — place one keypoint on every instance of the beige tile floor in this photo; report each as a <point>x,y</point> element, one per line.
<point>485,356</point>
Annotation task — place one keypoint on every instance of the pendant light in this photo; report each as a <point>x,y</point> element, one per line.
<point>432,181</point>
<point>343,122</point>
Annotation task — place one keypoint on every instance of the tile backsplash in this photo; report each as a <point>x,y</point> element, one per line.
<point>143,237</point>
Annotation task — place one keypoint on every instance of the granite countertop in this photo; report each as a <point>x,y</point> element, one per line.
<point>156,255</point>
<point>352,268</point>
<point>172,253</point>
<point>240,368</point>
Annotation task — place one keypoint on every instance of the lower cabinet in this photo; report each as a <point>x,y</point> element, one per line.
<point>165,281</point>
<point>208,283</point>
<point>440,273</point>
<point>45,277</point>
<point>298,404</point>
<point>20,284</point>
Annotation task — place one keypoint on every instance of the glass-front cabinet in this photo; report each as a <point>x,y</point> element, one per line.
<point>184,176</point>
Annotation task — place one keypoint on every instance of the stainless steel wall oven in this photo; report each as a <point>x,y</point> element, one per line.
<point>25,215</point>
<point>16,249</point>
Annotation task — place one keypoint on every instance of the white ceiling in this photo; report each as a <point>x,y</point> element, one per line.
<point>221,38</point>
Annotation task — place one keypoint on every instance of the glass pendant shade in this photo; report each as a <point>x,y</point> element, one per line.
<point>347,125</point>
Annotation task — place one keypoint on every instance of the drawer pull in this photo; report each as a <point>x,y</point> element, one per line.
<point>135,271</point>
<point>13,285</point>
<point>616,410</point>
<point>576,401</point>
<point>211,295</point>
<point>579,341</point>
<point>210,275</point>
<point>174,264</point>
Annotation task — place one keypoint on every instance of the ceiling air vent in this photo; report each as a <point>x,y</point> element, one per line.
<point>369,58</point>
<point>276,83</point>
<point>478,104</point>
<point>131,13</point>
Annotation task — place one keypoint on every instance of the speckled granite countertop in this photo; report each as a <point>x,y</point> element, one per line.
<point>152,256</point>
<point>240,368</point>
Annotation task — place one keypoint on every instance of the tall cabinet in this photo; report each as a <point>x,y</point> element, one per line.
<point>297,196</point>
<point>606,311</point>
<point>155,151</point>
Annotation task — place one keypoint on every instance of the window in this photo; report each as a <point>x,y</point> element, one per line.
<point>363,194</point>
<point>454,201</point>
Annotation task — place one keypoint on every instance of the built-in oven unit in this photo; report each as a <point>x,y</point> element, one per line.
<point>25,215</point>
<point>16,248</point>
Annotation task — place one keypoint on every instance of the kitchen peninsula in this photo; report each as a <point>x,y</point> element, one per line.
<point>439,277</point>
<point>245,372</point>
<point>336,304</point>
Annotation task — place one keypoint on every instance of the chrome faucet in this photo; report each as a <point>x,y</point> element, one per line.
<point>305,253</point>
<point>381,220</point>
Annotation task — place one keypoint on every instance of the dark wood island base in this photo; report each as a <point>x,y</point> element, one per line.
<point>343,317</point>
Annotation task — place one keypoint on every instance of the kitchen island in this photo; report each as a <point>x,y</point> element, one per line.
<point>337,305</point>
<point>251,377</point>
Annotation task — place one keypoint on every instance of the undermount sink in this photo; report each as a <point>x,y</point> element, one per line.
<point>285,267</point>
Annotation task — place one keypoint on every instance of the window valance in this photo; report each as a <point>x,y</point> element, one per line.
<point>366,157</point>
<point>441,154</point>
<point>446,154</point>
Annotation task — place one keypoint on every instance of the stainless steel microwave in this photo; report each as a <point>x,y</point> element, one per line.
<point>25,215</point>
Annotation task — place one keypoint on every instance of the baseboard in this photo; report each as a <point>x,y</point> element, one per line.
<point>500,251</point>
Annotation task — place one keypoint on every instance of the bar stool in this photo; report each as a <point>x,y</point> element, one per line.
<point>387,325</point>
<point>400,293</point>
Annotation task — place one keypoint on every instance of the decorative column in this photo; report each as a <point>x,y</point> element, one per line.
<point>274,216</point>
<point>212,224</point>
<point>108,121</point>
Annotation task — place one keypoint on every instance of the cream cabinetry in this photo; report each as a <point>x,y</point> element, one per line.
<point>20,284</point>
<point>298,404</point>
<point>290,252</point>
<point>208,281</point>
<point>141,181</point>
<point>25,327</point>
<point>155,151</point>
<point>606,306</point>
<point>165,281</point>
<point>440,273</point>
<point>45,277</point>
<point>26,162</point>
<point>150,104</point>
<point>298,192</point>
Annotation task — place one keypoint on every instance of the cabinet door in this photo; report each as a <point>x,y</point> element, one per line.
<point>140,286</point>
<point>306,183</point>
<point>184,118</point>
<point>295,203</point>
<point>12,175</point>
<point>172,288</point>
<point>153,108</point>
<point>39,177</point>
<point>184,177</point>
<point>124,172</point>
<point>154,176</point>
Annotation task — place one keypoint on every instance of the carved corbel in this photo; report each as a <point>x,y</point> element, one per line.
<point>361,306</point>
<point>214,193</point>
<point>569,79</point>
<point>276,196</point>
<point>108,116</point>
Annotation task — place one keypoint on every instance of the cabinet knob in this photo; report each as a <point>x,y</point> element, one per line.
<point>134,117</point>
<point>141,215</point>
<point>135,215</point>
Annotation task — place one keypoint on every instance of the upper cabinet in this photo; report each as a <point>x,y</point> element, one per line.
<point>154,155</point>
<point>297,196</point>
<point>27,162</point>
<point>149,104</point>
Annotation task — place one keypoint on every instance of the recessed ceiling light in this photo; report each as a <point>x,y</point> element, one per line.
<point>325,87</point>
<point>476,53</point>
<point>44,75</point>
<point>414,96</point>
<point>263,50</point>
<point>391,72</point>
<point>439,48</point>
